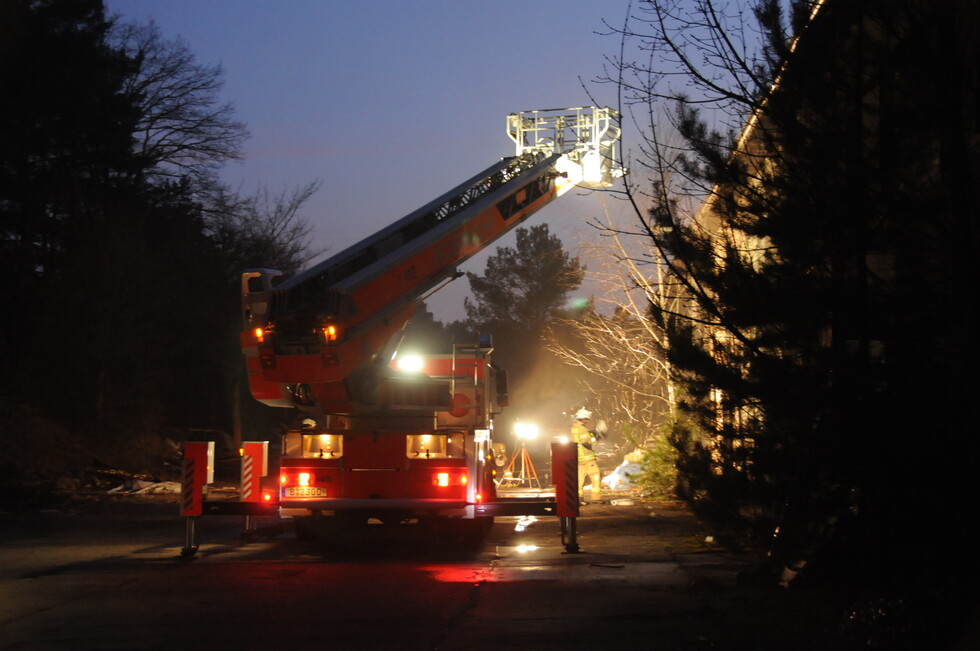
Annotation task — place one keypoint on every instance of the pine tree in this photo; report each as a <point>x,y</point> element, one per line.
<point>522,290</point>
<point>826,239</point>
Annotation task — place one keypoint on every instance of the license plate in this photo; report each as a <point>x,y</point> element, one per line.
<point>306,491</point>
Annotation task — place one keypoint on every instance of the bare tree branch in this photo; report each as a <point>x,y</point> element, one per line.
<point>183,130</point>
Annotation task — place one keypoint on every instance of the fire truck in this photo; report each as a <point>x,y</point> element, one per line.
<point>384,439</point>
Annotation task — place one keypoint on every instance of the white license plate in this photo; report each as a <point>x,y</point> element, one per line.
<point>306,491</point>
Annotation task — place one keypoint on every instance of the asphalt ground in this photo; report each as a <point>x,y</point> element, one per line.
<point>647,574</point>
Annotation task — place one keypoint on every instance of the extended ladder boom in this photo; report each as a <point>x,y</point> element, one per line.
<point>375,278</point>
<point>308,339</point>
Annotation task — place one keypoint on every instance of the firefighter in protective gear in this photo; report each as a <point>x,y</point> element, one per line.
<point>587,464</point>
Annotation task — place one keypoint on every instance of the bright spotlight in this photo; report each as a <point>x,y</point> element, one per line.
<point>410,363</point>
<point>526,431</point>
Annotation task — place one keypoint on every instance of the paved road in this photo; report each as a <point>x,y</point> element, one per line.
<point>112,577</point>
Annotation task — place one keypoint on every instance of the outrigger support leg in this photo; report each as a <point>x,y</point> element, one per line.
<point>564,462</point>
<point>568,526</point>
<point>190,538</point>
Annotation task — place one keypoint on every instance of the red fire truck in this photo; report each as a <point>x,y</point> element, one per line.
<point>381,440</point>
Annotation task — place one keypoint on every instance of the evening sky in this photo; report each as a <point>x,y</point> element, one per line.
<point>389,104</point>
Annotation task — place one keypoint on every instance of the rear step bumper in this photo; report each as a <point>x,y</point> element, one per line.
<point>499,507</point>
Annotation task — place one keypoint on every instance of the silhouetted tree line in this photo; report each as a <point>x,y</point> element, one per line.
<point>120,248</point>
<point>818,213</point>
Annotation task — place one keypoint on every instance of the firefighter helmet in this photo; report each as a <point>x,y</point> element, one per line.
<point>583,414</point>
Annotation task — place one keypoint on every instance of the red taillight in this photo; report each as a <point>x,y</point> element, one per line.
<point>305,478</point>
<point>444,479</point>
<point>302,478</point>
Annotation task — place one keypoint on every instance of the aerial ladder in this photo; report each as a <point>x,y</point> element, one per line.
<point>387,443</point>
<point>321,340</point>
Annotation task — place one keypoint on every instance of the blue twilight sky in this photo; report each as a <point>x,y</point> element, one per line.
<point>391,103</point>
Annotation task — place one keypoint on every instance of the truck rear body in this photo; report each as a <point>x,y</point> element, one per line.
<point>385,474</point>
